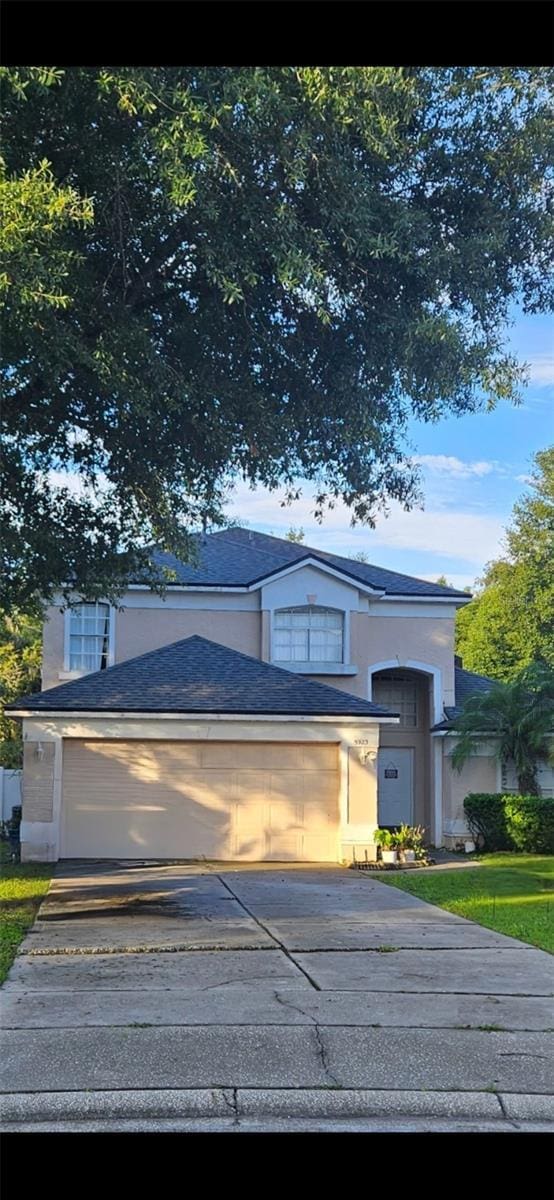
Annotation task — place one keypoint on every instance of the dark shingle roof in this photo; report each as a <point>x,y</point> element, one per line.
<point>466,684</point>
<point>198,676</point>
<point>238,557</point>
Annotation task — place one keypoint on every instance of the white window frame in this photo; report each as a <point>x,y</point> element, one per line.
<point>312,665</point>
<point>76,673</point>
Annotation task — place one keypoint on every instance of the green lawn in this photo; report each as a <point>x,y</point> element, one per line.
<point>512,893</point>
<point>21,890</point>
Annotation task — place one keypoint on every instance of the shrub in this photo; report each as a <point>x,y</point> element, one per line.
<point>531,823</point>
<point>507,822</point>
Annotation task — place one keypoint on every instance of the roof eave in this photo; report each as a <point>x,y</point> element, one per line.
<point>137,714</point>
<point>255,585</point>
<point>434,597</point>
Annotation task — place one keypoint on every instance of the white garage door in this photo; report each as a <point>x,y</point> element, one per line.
<point>223,800</point>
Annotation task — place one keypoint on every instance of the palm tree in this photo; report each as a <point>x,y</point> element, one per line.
<point>519,715</point>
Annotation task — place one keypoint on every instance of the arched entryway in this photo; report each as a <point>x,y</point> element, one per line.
<point>405,771</point>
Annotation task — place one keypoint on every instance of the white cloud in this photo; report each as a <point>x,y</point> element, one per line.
<point>448,464</point>
<point>77,486</point>
<point>524,479</point>
<point>541,370</point>
<point>465,536</point>
<point>70,480</point>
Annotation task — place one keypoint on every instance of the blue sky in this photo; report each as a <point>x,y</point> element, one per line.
<point>474,468</point>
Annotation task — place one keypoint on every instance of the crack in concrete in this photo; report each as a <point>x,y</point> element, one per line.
<point>230,1097</point>
<point>295,1007</point>
<point>379,949</point>
<point>210,987</point>
<point>275,939</point>
<point>323,1056</point>
<point>505,1114</point>
<point>520,1054</point>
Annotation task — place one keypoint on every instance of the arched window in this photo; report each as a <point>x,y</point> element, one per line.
<point>309,634</point>
<point>89,637</point>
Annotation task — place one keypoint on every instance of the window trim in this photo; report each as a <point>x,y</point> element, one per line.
<point>76,673</point>
<point>313,666</point>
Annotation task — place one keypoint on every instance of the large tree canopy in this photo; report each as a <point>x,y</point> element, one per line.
<point>212,273</point>
<point>510,622</point>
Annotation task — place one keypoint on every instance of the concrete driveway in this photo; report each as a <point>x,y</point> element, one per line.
<point>189,997</point>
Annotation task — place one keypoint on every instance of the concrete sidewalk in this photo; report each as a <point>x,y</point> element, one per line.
<point>185,997</point>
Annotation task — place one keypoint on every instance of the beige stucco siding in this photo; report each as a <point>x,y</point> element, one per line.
<point>139,630</point>
<point>344,683</point>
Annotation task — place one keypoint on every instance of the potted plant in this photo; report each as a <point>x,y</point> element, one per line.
<point>408,841</point>
<point>404,841</point>
<point>384,839</point>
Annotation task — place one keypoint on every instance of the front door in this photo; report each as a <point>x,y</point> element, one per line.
<point>396,786</point>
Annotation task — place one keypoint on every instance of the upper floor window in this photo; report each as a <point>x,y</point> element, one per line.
<point>308,634</point>
<point>89,637</point>
<point>399,693</point>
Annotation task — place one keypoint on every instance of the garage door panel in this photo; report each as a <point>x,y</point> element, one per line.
<point>249,755</point>
<point>148,755</point>
<point>314,789</point>
<point>318,758</point>
<point>125,799</point>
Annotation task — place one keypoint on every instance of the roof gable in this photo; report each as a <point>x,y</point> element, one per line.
<point>310,560</point>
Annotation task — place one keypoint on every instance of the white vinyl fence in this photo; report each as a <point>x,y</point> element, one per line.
<point>10,791</point>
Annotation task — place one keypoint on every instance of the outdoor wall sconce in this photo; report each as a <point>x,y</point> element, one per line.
<point>39,750</point>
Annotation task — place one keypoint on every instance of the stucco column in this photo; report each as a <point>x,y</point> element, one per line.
<point>361,818</point>
<point>41,798</point>
<point>362,786</point>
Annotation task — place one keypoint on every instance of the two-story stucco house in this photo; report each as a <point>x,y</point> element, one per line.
<point>277,703</point>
